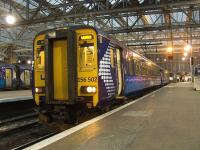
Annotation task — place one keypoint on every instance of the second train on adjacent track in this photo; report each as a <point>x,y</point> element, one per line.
<point>80,67</point>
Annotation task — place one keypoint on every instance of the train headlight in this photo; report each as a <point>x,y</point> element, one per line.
<point>88,89</point>
<point>39,90</point>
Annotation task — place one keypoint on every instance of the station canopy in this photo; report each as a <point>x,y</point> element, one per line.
<point>147,26</point>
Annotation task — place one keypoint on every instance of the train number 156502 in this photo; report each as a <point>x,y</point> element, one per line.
<point>87,79</point>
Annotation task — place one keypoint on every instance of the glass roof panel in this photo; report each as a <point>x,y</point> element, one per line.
<point>178,17</point>
<point>54,2</point>
<point>141,1</point>
<point>32,4</point>
<point>196,16</point>
<point>89,5</point>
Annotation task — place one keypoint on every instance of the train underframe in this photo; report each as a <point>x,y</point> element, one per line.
<point>72,113</point>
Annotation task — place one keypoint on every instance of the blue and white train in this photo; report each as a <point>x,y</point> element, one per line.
<point>80,67</point>
<point>14,77</point>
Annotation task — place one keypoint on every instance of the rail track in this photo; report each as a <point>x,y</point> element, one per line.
<point>21,131</point>
<point>18,122</point>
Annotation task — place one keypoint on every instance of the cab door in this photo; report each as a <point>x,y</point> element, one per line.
<point>8,78</point>
<point>60,61</point>
<point>60,70</point>
<point>119,72</point>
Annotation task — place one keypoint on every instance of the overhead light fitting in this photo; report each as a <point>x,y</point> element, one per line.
<point>185,54</point>
<point>28,61</point>
<point>10,19</point>
<point>169,49</point>
<point>187,47</point>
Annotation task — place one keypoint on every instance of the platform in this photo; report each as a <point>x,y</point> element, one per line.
<point>168,119</point>
<point>12,96</point>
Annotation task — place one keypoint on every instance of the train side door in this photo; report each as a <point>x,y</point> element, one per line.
<point>8,78</point>
<point>119,71</point>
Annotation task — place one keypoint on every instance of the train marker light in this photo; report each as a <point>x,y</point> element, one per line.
<point>93,89</point>
<point>88,89</point>
<point>36,90</point>
<point>39,90</point>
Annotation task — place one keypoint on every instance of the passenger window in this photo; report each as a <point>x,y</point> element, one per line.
<point>112,58</point>
<point>40,60</point>
<point>86,56</point>
<point>137,71</point>
<point>131,67</point>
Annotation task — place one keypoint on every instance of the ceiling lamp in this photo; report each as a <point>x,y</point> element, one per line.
<point>10,19</point>
<point>169,49</point>
<point>28,61</point>
<point>185,54</point>
<point>187,47</point>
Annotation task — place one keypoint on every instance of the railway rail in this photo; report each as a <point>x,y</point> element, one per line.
<point>21,131</point>
<point>18,122</point>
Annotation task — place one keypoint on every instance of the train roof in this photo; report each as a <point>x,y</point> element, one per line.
<point>6,65</point>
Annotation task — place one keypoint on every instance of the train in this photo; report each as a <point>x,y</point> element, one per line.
<point>197,77</point>
<point>79,68</point>
<point>15,76</point>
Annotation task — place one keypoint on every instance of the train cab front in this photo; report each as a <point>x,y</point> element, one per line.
<point>65,72</point>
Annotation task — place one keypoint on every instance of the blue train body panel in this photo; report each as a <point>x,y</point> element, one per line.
<point>13,79</point>
<point>108,76</point>
<point>138,83</point>
<point>21,76</point>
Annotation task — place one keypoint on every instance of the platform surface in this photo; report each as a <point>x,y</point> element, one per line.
<point>168,119</point>
<point>11,96</point>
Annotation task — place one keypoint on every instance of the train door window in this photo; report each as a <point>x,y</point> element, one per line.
<point>86,56</point>
<point>112,58</point>
<point>40,54</point>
